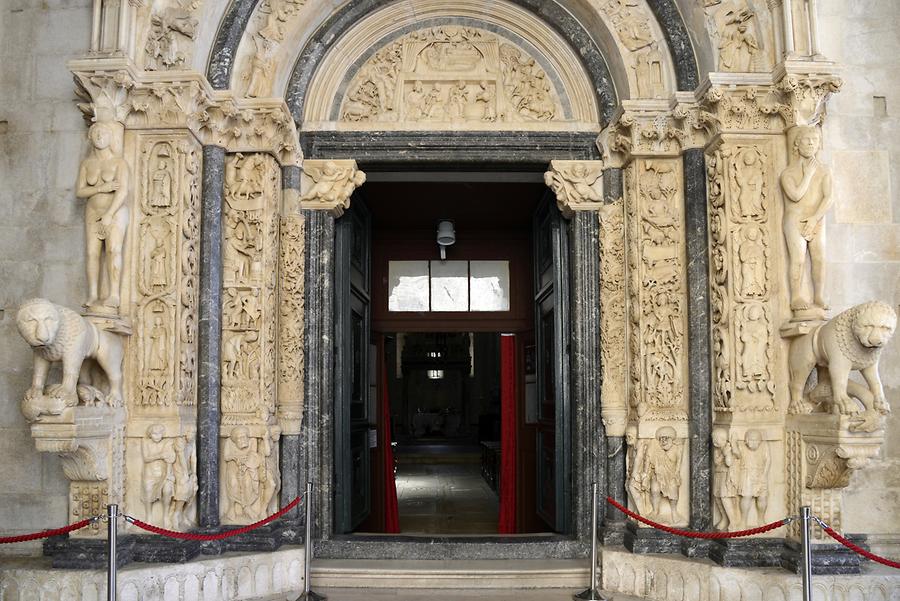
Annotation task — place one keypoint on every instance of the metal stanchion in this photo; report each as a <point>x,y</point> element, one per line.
<point>807,553</point>
<point>308,594</point>
<point>112,515</point>
<point>592,594</point>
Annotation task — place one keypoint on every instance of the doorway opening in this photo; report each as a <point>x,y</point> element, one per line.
<point>443,363</point>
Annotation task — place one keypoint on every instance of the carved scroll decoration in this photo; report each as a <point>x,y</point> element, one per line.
<point>613,350</point>
<point>291,326</point>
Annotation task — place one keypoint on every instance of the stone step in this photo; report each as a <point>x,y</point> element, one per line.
<point>572,575</point>
<point>358,594</point>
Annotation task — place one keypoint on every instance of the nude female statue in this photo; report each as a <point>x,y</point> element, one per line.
<point>807,190</point>
<point>103,181</point>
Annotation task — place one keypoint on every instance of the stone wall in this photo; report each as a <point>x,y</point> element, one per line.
<point>41,234</point>
<point>863,146</point>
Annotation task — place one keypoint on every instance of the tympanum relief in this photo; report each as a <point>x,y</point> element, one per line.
<point>451,74</point>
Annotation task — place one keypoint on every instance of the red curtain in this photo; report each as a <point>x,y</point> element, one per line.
<point>508,423</point>
<point>391,511</point>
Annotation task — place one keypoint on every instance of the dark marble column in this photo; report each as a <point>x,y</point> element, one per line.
<point>317,435</point>
<point>209,337</point>
<point>699,359</point>
<point>292,482</point>
<point>584,245</point>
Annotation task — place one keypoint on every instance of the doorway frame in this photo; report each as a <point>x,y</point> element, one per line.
<point>483,154</point>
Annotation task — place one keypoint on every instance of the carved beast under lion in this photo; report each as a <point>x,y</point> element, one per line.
<point>58,334</point>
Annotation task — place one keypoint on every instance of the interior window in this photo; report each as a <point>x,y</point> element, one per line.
<point>451,286</point>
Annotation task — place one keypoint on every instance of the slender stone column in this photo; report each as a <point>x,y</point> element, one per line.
<point>209,376</point>
<point>316,462</point>
<point>292,482</point>
<point>699,373</point>
<point>585,354</point>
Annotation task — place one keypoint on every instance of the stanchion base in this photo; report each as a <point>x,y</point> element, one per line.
<point>311,596</point>
<point>589,595</point>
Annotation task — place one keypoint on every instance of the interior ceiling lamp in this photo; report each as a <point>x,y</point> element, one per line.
<point>446,236</point>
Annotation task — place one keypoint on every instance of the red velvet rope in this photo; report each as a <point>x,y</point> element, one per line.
<point>45,533</point>
<point>219,536</point>
<point>876,558</point>
<point>692,533</point>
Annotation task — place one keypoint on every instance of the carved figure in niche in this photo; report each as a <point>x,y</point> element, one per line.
<point>158,351</point>
<point>415,102</point>
<point>749,180</point>
<point>161,189</point>
<point>434,103</point>
<point>661,339</point>
<point>241,242</point>
<point>737,45</point>
<point>159,254</point>
<point>648,72</point>
<point>725,492</point>
<point>851,341</point>
<point>244,181</point>
<point>638,485</point>
<point>752,255</point>
<point>158,476</point>
<point>663,467</point>
<point>270,479</point>
<point>103,181</point>
<point>458,101</point>
<point>753,470</point>
<point>242,474</point>
<point>259,75</point>
<point>485,97</point>
<point>56,333</point>
<point>167,26</point>
<point>184,470</point>
<point>807,190</point>
<point>754,338</point>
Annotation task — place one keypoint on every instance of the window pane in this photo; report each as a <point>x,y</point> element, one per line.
<point>408,285</point>
<point>490,285</point>
<point>449,286</point>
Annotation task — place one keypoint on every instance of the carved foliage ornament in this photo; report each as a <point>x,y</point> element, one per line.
<point>613,350</point>
<point>450,74</point>
<point>290,323</point>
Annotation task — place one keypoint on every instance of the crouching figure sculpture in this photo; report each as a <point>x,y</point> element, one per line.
<point>851,341</point>
<point>91,359</point>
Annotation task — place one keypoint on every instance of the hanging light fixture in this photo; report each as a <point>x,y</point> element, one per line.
<point>446,236</point>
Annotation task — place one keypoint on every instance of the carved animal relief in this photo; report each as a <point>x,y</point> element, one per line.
<point>451,74</point>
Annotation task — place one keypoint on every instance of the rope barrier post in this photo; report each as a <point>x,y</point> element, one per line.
<point>112,531</point>
<point>591,593</point>
<point>308,594</point>
<point>807,553</point>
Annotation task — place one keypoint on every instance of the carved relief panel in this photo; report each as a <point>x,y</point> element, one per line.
<point>613,350</point>
<point>171,35</point>
<point>451,74</point>
<point>249,332</point>
<point>290,323</point>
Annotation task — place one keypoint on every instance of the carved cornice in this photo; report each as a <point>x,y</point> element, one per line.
<point>112,89</point>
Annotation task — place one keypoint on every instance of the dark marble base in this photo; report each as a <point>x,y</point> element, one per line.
<point>292,532</point>
<point>648,540</point>
<point>159,549</point>
<point>826,558</point>
<point>80,554</point>
<point>267,538</point>
<point>756,552</point>
<point>696,547</point>
<point>612,533</point>
<point>437,547</point>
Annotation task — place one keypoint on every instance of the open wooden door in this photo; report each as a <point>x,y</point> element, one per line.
<point>551,310</point>
<point>352,327</point>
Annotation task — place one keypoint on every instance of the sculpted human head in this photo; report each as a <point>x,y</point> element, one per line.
<point>666,437</point>
<point>807,141</point>
<point>240,437</point>
<point>719,437</point>
<point>874,324</point>
<point>38,321</point>
<point>631,435</point>
<point>156,432</point>
<point>101,135</point>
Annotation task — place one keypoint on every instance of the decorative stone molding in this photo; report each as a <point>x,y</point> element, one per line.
<point>652,128</point>
<point>613,318</point>
<point>578,185</point>
<point>291,323</point>
<point>113,89</point>
<point>328,184</point>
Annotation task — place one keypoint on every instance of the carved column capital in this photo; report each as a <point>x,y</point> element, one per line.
<point>329,184</point>
<point>578,185</point>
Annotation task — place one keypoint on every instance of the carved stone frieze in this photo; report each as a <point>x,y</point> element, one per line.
<point>451,74</point>
<point>743,475</point>
<point>656,478</point>
<point>578,185</point>
<point>251,478</point>
<point>164,490</point>
<point>329,184</point>
<point>151,102</point>
<point>290,323</point>
<point>644,129</point>
<point>613,316</point>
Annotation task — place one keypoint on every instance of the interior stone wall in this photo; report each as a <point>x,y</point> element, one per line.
<point>41,232</point>
<point>862,143</point>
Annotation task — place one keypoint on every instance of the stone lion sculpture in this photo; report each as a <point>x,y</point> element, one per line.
<point>851,341</point>
<point>58,334</point>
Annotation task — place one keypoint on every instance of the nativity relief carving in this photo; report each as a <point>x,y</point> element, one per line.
<point>451,74</point>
